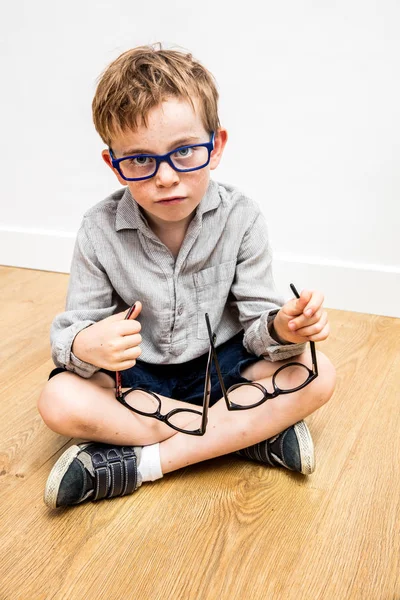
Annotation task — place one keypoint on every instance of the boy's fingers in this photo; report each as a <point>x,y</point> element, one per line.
<point>303,321</point>
<point>320,337</point>
<point>132,353</point>
<point>133,326</point>
<point>135,308</point>
<point>314,303</point>
<point>134,311</point>
<point>309,327</point>
<point>304,300</point>
<point>131,340</point>
<point>297,305</point>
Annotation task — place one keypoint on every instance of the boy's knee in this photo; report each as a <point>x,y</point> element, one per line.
<point>326,380</point>
<point>321,389</point>
<point>58,405</point>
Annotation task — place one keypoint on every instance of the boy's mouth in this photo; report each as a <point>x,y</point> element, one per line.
<point>171,200</point>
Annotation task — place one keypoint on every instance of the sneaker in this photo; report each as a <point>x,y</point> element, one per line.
<point>92,471</point>
<point>292,449</point>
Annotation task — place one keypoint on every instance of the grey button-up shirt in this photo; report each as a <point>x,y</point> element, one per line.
<point>223,268</point>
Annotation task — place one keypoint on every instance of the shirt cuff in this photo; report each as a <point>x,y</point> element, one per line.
<point>81,367</point>
<point>280,349</point>
<point>63,355</point>
<point>259,341</point>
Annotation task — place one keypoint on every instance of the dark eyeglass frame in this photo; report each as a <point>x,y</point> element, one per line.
<point>212,356</point>
<point>159,158</point>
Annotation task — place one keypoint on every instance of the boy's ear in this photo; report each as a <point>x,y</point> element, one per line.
<point>221,137</point>
<point>107,159</point>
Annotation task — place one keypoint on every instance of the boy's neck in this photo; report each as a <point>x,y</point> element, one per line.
<point>171,234</point>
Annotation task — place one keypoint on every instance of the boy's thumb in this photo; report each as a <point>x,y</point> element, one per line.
<point>295,306</point>
<point>304,299</point>
<point>134,311</point>
<point>131,313</point>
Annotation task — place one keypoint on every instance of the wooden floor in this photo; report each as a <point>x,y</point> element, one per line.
<point>223,529</point>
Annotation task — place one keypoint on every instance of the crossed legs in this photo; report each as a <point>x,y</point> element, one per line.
<point>86,408</point>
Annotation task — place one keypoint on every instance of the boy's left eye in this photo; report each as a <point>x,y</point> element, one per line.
<point>182,152</point>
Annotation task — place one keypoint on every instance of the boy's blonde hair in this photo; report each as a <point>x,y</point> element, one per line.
<point>142,78</point>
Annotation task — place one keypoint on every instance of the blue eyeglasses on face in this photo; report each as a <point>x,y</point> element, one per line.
<point>145,166</point>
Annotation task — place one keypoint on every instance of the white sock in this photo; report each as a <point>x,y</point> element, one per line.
<point>150,463</point>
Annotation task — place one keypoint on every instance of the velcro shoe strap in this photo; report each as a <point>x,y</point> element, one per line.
<point>130,466</point>
<point>115,472</point>
<point>101,473</point>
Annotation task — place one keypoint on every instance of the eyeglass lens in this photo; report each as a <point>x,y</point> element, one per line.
<point>148,405</point>
<point>286,380</point>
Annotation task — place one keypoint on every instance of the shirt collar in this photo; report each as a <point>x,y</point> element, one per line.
<point>129,216</point>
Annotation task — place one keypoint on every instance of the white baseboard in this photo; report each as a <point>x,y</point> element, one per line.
<point>41,249</point>
<point>367,288</point>
<point>358,287</point>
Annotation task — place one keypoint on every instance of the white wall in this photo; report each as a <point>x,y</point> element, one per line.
<point>310,94</point>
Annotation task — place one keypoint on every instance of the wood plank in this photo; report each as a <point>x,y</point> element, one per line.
<point>226,528</point>
<point>25,319</point>
<point>356,547</point>
<point>362,348</point>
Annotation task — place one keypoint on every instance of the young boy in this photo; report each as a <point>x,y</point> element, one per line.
<point>176,245</point>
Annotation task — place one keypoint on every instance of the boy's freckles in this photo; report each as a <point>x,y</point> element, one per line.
<point>170,124</point>
<point>155,195</point>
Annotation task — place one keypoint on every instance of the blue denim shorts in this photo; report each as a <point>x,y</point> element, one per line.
<point>185,381</point>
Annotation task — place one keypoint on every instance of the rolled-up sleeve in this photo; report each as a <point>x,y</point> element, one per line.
<point>255,295</point>
<point>90,298</point>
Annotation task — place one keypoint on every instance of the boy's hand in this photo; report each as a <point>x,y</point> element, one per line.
<point>303,319</point>
<point>112,343</point>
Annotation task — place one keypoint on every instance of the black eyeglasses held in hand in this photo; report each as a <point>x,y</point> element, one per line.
<point>148,404</point>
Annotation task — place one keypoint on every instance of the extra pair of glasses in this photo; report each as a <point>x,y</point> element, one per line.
<point>148,404</point>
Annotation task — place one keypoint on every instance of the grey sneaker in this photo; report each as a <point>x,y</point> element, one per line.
<point>92,471</point>
<point>292,449</point>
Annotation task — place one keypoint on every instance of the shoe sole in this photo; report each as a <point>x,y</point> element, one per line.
<point>57,473</point>
<point>306,447</point>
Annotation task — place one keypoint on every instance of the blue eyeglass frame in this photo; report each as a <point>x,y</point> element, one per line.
<point>159,158</point>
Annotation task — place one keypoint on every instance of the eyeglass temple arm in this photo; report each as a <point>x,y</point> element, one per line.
<point>213,337</point>
<point>219,374</point>
<point>312,344</point>
<point>118,386</point>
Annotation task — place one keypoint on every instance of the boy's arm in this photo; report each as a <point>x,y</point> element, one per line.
<point>256,298</point>
<point>90,299</point>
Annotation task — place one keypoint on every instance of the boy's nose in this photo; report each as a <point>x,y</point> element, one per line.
<point>166,175</point>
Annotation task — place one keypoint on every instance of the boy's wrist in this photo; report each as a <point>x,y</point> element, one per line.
<point>78,345</point>
<point>275,330</point>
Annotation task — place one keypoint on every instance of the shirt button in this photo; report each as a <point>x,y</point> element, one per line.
<point>180,309</point>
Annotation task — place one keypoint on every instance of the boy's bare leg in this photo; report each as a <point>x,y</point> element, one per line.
<point>88,409</point>
<point>228,431</point>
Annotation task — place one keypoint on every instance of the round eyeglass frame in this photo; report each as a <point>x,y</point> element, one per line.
<point>212,357</point>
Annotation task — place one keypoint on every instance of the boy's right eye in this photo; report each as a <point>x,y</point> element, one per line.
<point>141,161</point>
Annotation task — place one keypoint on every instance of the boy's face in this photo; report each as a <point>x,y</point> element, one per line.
<point>170,125</point>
